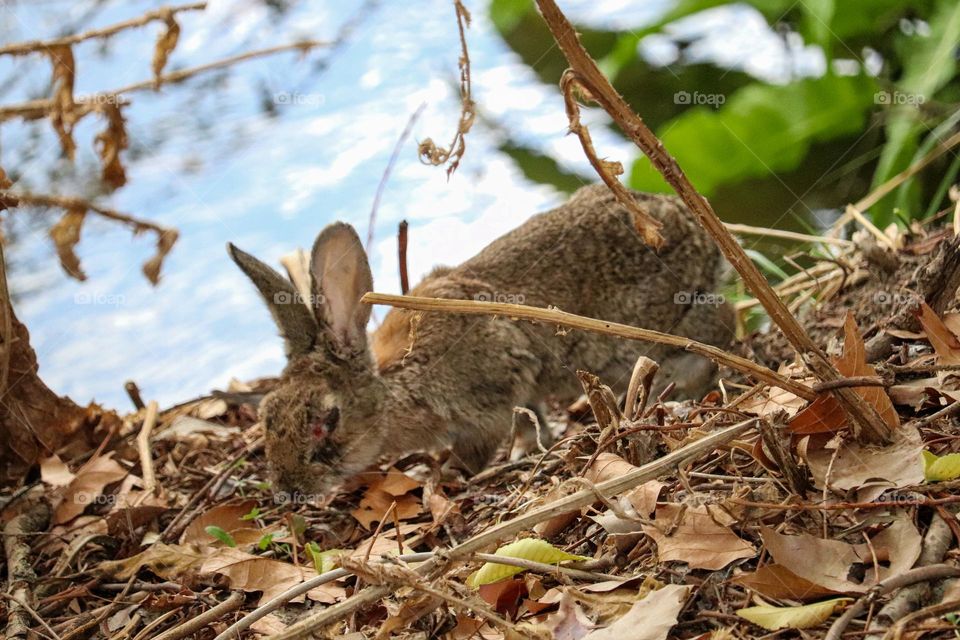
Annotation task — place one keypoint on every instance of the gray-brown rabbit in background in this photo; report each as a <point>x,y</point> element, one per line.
<point>452,380</point>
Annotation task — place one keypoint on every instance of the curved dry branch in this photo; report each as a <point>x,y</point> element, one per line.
<point>41,46</point>
<point>868,425</point>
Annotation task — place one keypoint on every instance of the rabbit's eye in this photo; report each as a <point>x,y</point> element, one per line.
<point>325,425</point>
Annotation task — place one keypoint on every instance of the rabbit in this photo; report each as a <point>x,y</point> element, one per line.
<point>444,380</point>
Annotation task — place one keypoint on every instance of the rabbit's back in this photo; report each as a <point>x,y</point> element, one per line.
<point>584,257</point>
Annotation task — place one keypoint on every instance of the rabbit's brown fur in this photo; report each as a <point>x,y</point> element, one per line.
<point>446,380</point>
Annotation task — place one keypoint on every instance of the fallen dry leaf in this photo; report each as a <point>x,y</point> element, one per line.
<point>55,472</point>
<point>648,619</point>
<point>802,617</point>
<point>171,562</point>
<point>824,415</point>
<point>829,563</point>
<point>698,540</point>
<point>941,338</point>
<point>87,487</point>
<point>607,466</point>
<point>852,465</point>
<point>248,572</point>
<point>226,516</point>
<point>776,581</point>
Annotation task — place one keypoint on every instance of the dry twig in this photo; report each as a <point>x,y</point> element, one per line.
<point>573,321</point>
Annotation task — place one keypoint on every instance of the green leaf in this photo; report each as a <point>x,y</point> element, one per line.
<point>324,561</point>
<point>817,19</point>
<point>221,535</point>
<point>773,618</point>
<point>265,542</point>
<point>252,515</point>
<point>526,549</point>
<point>929,62</point>
<point>507,14</point>
<point>940,468</point>
<point>759,131</point>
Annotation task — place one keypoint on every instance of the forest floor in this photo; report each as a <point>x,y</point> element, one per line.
<point>735,516</point>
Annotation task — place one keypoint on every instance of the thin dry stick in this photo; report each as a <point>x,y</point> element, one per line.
<point>402,256</point>
<point>923,574</point>
<point>192,625</point>
<point>868,425</point>
<point>896,631</point>
<point>510,528</point>
<point>72,203</point>
<point>34,109</point>
<point>573,321</point>
<point>143,446</point>
<point>747,229</point>
<point>40,46</point>
<point>429,152</point>
<point>389,169</point>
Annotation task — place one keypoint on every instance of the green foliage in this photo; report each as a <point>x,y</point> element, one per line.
<point>739,131</point>
<point>761,129</point>
<point>221,535</point>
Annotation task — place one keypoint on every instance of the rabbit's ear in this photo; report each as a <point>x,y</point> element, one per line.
<point>297,325</point>
<point>339,276</point>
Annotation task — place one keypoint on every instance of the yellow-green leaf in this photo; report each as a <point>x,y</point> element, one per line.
<point>773,618</point>
<point>939,468</point>
<point>526,549</point>
<point>324,561</point>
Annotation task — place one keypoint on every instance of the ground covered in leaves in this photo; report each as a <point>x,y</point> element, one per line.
<point>790,529</point>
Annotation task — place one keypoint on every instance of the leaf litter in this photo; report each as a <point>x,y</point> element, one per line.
<point>720,547</point>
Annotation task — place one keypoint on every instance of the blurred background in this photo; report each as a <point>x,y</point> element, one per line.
<point>781,112</point>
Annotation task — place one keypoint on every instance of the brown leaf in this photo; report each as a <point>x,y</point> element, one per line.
<point>55,472</point>
<point>941,338</point>
<point>226,516</point>
<point>698,540</point>
<point>776,581</point>
<point>165,242</point>
<point>825,415</point>
<point>63,112</point>
<point>648,619</point>
<point>171,562</point>
<point>166,43</point>
<point>86,488</point>
<point>829,563</point>
<point>376,502</point>
<point>606,467</point>
<point>504,596</point>
<point>852,465</point>
<point>65,235</point>
<point>110,142</point>
<point>248,572</point>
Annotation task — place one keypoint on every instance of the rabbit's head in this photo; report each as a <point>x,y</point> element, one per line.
<point>320,422</point>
